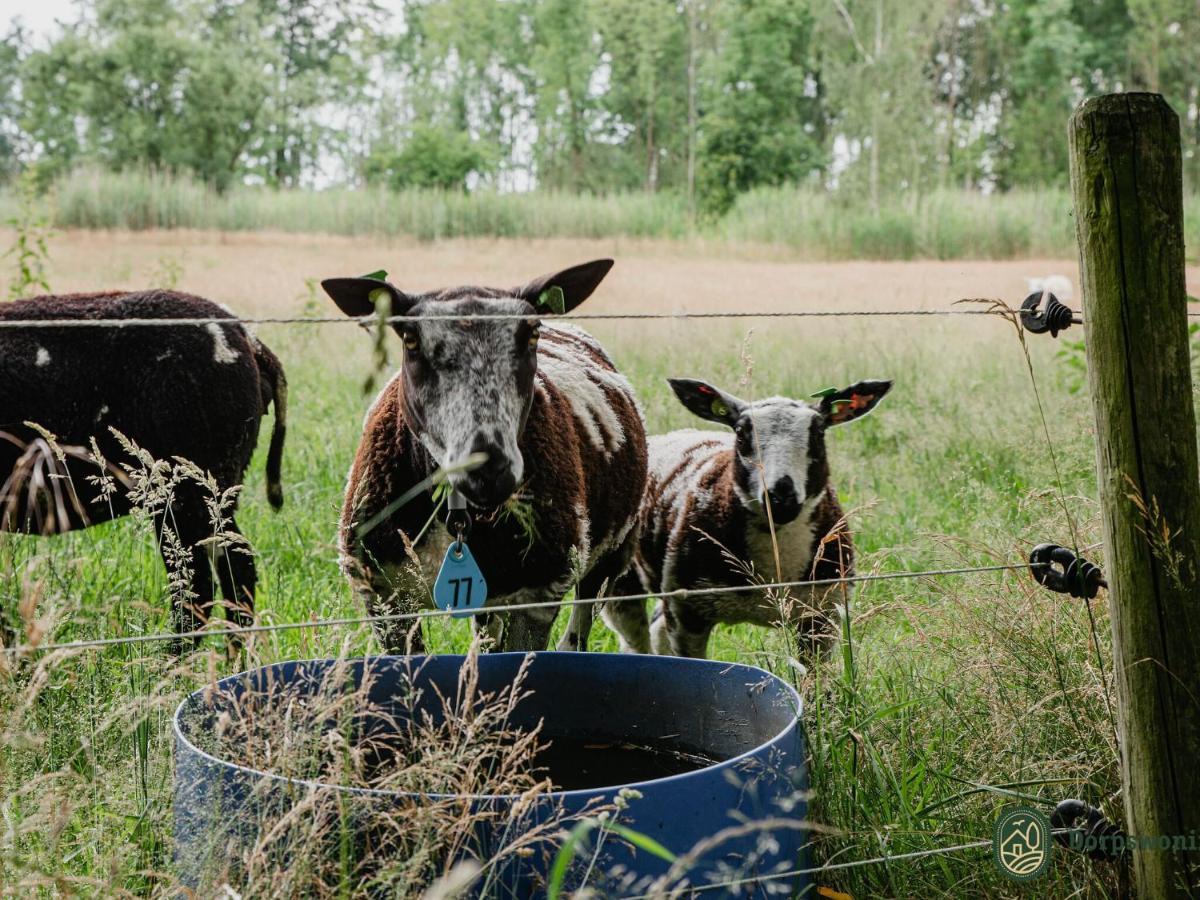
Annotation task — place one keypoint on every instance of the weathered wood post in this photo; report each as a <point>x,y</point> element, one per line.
<point>1127,180</point>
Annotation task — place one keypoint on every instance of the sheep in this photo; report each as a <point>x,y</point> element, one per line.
<point>704,520</point>
<point>555,504</point>
<point>196,392</point>
<point>1058,285</point>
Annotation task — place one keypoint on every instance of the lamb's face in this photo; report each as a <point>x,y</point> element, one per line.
<point>779,443</point>
<point>779,446</point>
<point>469,387</point>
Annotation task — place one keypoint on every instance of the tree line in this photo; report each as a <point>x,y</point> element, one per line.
<point>704,98</point>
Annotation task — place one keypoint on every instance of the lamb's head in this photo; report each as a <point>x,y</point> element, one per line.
<point>468,382</point>
<point>779,443</point>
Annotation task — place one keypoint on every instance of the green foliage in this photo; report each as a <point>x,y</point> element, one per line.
<point>30,250</point>
<point>705,99</point>
<point>430,158</point>
<point>761,125</point>
<point>803,222</point>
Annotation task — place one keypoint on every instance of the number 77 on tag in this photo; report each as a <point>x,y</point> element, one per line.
<point>460,585</point>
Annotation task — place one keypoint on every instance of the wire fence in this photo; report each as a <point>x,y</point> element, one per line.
<point>996,308</point>
<point>989,307</point>
<point>419,615</point>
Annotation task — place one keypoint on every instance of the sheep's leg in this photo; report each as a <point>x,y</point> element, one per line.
<point>579,627</point>
<point>628,617</point>
<point>238,577</point>
<point>528,629</point>
<point>386,593</point>
<point>682,630</point>
<point>180,530</point>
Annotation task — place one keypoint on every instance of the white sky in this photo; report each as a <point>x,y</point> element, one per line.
<point>39,16</point>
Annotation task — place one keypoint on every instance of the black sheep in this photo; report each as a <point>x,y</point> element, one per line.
<point>196,392</point>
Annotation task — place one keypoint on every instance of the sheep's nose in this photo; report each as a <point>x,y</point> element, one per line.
<point>785,504</point>
<point>492,482</point>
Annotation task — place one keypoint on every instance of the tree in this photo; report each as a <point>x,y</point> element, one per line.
<point>762,122</point>
<point>645,47</point>
<point>11,57</point>
<point>316,55</point>
<point>151,85</point>
<point>430,158</point>
<point>565,58</point>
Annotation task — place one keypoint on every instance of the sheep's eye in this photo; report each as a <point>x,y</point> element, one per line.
<point>411,343</point>
<point>533,338</point>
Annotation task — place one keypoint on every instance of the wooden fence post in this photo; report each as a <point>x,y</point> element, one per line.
<point>1126,176</point>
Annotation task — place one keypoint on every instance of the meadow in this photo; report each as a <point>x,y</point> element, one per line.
<point>952,696</point>
<point>793,221</point>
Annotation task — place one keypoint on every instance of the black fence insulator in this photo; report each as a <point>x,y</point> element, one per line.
<point>1074,575</point>
<point>1107,840</point>
<point>1052,317</point>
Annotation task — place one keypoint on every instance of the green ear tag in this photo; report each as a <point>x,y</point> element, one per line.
<point>553,299</point>
<point>719,408</point>
<point>826,392</point>
<point>379,275</point>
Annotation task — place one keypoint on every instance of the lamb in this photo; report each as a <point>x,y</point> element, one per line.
<point>196,392</point>
<point>555,504</point>
<point>706,520</point>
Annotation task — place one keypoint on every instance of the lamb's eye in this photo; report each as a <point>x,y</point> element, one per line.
<point>411,344</point>
<point>533,338</point>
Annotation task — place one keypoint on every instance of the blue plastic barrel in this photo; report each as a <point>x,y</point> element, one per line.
<point>744,719</point>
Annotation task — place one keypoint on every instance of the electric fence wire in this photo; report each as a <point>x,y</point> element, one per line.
<point>681,594</point>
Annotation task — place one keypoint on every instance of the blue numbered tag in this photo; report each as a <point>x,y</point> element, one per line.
<point>459,585</point>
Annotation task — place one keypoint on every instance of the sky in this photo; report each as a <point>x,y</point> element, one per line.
<point>38,15</point>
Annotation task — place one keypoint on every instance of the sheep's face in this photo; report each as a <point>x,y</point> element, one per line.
<point>468,386</point>
<point>468,382</point>
<point>779,448</point>
<point>779,443</point>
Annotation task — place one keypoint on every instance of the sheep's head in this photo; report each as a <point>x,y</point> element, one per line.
<point>779,443</point>
<point>468,383</point>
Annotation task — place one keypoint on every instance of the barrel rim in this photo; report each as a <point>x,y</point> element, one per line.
<point>789,692</point>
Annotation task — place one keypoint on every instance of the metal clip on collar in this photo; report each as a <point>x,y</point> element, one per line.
<point>1053,317</point>
<point>458,520</point>
<point>1078,577</point>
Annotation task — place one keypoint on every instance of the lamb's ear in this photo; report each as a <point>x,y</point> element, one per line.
<point>848,404</point>
<point>356,296</point>
<point>561,292</point>
<point>707,402</point>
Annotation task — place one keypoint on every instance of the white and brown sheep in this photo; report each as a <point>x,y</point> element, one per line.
<point>562,434</point>
<point>197,392</point>
<point>704,520</point>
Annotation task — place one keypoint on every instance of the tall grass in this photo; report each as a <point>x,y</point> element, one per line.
<point>951,692</point>
<point>948,224</point>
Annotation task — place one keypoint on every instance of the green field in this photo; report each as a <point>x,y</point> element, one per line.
<point>799,222</point>
<point>951,690</point>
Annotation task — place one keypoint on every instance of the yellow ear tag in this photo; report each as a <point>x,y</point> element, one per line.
<point>719,409</point>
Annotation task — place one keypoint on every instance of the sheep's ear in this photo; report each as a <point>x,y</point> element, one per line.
<point>561,292</point>
<point>706,401</point>
<point>848,404</point>
<point>358,296</point>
